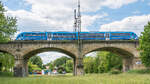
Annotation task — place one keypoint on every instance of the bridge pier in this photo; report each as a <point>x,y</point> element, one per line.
<point>127,64</point>
<point>137,63</point>
<point>20,68</point>
<point>78,67</point>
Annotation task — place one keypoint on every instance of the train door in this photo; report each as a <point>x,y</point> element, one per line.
<point>49,36</point>
<point>107,36</point>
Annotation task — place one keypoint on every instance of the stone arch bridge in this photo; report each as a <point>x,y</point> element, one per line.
<point>23,50</point>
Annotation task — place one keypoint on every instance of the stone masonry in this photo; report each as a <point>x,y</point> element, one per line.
<point>23,50</point>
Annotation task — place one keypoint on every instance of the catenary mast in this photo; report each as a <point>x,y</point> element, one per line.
<point>79,17</point>
<point>77,20</point>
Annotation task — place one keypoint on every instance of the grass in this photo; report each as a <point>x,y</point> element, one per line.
<point>124,78</point>
<point>144,71</point>
<point>6,74</point>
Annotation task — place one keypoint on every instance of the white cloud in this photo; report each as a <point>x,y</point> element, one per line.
<point>28,21</point>
<point>92,54</point>
<point>88,20</point>
<point>57,15</point>
<point>86,5</point>
<point>134,23</point>
<point>50,56</point>
<point>117,3</point>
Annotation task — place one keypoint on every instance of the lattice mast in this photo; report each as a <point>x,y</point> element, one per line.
<point>79,28</point>
<point>77,20</point>
<point>79,17</point>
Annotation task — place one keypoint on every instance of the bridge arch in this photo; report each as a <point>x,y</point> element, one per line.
<point>4,51</point>
<point>127,56</point>
<point>116,50</point>
<point>46,49</point>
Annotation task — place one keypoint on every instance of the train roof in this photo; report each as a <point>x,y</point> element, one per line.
<point>76,32</point>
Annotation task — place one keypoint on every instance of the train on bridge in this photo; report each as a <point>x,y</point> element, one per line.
<point>76,36</point>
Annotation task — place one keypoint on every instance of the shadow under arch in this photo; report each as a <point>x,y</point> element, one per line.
<point>40,50</point>
<point>3,51</point>
<point>118,51</point>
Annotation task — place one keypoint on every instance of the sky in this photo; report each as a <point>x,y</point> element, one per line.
<point>97,15</point>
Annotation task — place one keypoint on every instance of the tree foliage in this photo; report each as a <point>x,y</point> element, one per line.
<point>109,61</point>
<point>7,28</point>
<point>7,61</point>
<point>103,62</point>
<point>69,66</point>
<point>32,67</point>
<point>63,63</point>
<point>7,25</point>
<point>60,61</point>
<point>145,45</point>
<point>89,64</point>
<point>36,60</point>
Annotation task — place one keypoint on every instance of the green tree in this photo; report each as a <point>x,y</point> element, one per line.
<point>69,66</point>
<point>89,63</point>
<point>51,66</point>
<point>36,60</point>
<point>109,61</point>
<point>145,45</point>
<point>7,61</point>
<point>103,62</point>
<point>61,61</point>
<point>32,67</point>
<point>7,28</point>
<point>7,25</point>
<point>0,66</point>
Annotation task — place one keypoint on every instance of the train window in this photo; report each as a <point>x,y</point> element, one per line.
<point>49,35</point>
<point>91,35</point>
<point>35,34</point>
<point>120,34</point>
<point>27,34</point>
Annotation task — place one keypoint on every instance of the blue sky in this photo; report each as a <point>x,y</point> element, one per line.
<point>97,15</point>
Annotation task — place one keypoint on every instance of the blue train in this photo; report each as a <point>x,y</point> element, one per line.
<point>74,36</point>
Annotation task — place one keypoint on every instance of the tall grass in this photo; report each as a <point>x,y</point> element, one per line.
<point>144,71</point>
<point>6,74</point>
<point>124,78</point>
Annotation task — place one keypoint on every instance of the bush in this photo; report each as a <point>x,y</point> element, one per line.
<point>115,71</point>
<point>6,74</point>
<point>143,71</point>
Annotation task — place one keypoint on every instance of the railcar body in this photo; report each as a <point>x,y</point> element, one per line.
<point>63,35</point>
<point>32,36</point>
<point>74,36</point>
